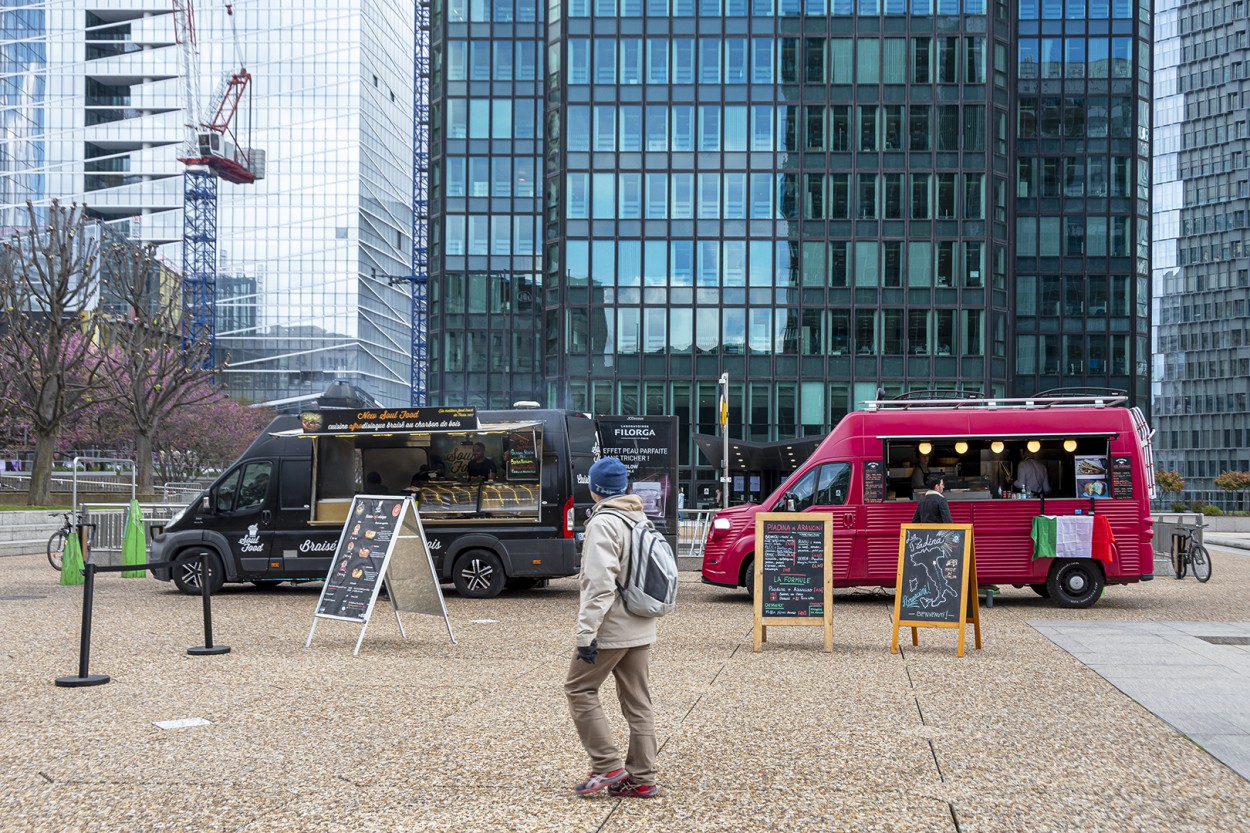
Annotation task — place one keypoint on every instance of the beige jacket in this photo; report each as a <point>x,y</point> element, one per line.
<point>605,561</point>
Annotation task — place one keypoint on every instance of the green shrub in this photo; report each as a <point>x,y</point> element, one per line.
<point>1213,511</point>
<point>1180,506</point>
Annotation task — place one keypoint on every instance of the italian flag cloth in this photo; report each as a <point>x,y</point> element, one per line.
<point>1072,536</point>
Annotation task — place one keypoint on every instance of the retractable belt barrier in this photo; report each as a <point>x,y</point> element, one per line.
<point>88,593</point>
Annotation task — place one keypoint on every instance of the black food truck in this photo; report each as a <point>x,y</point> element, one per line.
<point>502,495</point>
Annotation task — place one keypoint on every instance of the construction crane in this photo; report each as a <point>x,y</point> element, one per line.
<point>210,151</point>
<point>420,198</point>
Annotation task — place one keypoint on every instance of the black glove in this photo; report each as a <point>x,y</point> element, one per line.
<point>588,653</point>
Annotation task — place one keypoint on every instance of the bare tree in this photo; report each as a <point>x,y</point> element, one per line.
<point>51,364</point>
<point>153,370</point>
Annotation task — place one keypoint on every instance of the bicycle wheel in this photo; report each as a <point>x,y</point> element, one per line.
<point>1178,562</point>
<point>56,546</point>
<point>1200,563</point>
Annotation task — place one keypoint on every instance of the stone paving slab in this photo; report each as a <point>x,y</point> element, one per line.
<point>420,734</point>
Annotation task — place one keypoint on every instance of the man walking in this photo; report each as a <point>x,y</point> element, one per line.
<point>932,508</point>
<point>611,640</point>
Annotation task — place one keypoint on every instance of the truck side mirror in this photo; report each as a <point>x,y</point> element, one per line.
<point>792,502</point>
<point>206,505</point>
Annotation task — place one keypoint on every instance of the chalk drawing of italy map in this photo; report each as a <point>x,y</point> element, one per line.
<point>937,556</point>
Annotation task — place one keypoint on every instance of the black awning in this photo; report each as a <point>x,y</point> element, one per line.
<point>746,455</point>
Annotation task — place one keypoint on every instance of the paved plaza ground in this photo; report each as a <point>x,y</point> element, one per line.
<point>420,734</point>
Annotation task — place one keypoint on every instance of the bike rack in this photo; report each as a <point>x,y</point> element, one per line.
<point>88,594</point>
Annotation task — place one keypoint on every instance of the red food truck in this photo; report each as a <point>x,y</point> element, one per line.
<point>1095,452</point>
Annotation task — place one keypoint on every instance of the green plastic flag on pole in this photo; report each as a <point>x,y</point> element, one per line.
<point>134,542</point>
<point>71,562</point>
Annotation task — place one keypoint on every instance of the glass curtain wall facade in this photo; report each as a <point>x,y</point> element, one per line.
<point>486,162</point>
<point>799,194</point>
<point>1082,200</point>
<point>22,112</point>
<point>1201,266</point>
<point>834,200</point>
<point>306,256</point>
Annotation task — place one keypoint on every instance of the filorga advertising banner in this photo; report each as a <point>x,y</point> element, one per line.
<point>647,446</point>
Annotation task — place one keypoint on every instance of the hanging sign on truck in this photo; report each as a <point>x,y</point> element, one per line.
<point>383,420</point>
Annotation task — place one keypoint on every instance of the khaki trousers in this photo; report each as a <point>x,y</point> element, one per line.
<point>630,667</point>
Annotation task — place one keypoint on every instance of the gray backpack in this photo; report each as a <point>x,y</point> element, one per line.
<point>650,589</point>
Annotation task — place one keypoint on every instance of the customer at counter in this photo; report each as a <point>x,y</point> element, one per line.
<point>933,508</point>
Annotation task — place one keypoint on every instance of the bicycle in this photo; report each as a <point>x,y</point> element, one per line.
<point>1191,554</point>
<point>56,543</point>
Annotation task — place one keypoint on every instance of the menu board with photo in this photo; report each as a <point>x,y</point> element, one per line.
<point>382,543</point>
<point>1091,476</point>
<point>360,558</point>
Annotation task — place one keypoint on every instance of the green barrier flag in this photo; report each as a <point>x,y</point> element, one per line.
<point>71,562</point>
<point>134,542</point>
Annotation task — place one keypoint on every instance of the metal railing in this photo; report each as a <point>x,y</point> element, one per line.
<point>109,521</point>
<point>692,532</point>
<point>1223,500</point>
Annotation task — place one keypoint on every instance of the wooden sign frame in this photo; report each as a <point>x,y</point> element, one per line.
<point>968,604</point>
<point>825,621</point>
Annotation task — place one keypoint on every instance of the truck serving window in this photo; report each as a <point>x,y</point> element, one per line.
<point>988,468</point>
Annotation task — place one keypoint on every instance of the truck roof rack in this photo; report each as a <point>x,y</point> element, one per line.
<point>1089,400</point>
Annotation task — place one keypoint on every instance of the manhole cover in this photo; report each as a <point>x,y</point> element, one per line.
<point>19,598</point>
<point>1226,640</point>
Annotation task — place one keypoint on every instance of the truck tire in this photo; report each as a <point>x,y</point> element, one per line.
<point>187,573</point>
<point>748,577</point>
<point>478,574</point>
<point>1075,582</point>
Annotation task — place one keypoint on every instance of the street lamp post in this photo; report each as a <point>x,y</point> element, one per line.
<point>724,433</point>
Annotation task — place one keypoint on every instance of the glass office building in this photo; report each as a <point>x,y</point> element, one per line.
<point>1201,266</point>
<point>829,200</point>
<point>306,257</point>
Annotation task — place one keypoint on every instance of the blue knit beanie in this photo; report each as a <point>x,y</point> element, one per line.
<point>609,477</point>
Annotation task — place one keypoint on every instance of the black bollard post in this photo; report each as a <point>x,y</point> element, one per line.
<point>84,644</point>
<point>208,647</point>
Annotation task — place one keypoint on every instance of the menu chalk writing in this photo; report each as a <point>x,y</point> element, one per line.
<point>794,564</point>
<point>1121,476</point>
<point>931,575</point>
<point>936,584</point>
<point>352,584</point>
<point>874,481</point>
<point>793,575</point>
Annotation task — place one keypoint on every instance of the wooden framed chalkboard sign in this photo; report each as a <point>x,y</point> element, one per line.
<point>793,572</point>
<point>937,581</point>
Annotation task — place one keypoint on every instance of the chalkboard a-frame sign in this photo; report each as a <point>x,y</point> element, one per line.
<point>937,581</point>
<point>793,573</point>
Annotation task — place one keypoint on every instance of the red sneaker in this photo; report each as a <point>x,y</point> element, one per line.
<point>598,780</point>
<point>629,788</point>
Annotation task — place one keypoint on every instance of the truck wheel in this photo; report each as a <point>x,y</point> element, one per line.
<point>187,573</point>
<point>478,575</point>
<point>1075,582</point>
<point>748,577</point>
